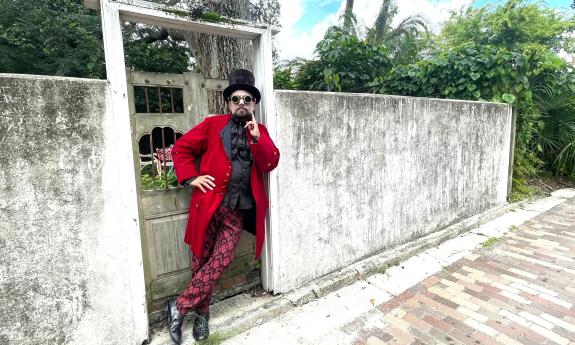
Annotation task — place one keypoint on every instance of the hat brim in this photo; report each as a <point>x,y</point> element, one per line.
<point>246,87</point>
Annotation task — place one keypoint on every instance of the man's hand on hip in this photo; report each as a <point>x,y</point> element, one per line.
<point>204,181</point>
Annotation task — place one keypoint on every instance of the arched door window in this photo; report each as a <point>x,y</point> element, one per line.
<point>156,164</point>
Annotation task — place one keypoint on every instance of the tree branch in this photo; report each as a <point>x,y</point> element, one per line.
<point>160,34</point>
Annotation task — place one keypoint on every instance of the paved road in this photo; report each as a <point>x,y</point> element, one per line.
<point>519,289</point>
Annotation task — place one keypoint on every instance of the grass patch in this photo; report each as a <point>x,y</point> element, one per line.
<point>521,191</point>
<point>490,242</point>
<point>538,187</point>
<point>217,338</point>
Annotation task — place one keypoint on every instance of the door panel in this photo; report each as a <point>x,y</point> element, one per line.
<point>170,251</point>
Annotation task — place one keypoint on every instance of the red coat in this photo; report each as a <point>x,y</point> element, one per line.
<point>205,142</point>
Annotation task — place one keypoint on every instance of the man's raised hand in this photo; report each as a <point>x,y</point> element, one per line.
<point>252,126</point>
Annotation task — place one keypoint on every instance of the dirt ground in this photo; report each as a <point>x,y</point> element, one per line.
<point>545,185</point>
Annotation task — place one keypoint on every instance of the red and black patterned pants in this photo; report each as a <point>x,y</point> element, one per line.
<point>222,237</point>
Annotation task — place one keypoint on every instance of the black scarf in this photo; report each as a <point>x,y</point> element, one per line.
<point>239,141</point>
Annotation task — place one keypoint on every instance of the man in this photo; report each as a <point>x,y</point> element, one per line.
<point>235,152</point>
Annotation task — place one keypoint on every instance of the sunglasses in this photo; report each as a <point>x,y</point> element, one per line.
<point>247,99</point>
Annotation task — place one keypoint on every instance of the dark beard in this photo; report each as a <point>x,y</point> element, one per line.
<point>243,117</point>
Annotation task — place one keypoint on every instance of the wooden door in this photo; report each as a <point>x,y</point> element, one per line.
<point>162,108</point>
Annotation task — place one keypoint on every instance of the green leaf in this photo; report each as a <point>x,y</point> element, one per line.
<point>508,98</point>
<point>475,76</point>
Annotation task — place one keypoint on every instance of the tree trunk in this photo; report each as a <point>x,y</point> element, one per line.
<point>216,56</point>
<point>348,16</point>
<point>382,21</point>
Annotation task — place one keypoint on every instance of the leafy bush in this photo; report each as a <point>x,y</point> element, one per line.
<point>345,63</point>
<point>164,181</point>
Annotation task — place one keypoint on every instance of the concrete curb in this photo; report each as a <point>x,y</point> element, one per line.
<point>376,263</point>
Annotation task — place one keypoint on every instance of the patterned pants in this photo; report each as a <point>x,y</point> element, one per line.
<point>222,237</point>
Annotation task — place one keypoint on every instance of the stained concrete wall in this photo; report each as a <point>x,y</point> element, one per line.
<point>70,262</point>
<point>360,173</point>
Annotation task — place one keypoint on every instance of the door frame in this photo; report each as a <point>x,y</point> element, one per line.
<point>113,12</point>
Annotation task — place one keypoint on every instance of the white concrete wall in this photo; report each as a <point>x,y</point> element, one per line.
<point>359,173</point>
<point>70,263</point>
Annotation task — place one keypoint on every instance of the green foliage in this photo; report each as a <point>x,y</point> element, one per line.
<point>51,38</point>
<point>554,133</point>
<point>470,71</point>
<point>164,181</point>
<point>512,25</point>
<point>217,338</point>
<point>213,17</point>
<point>163,55</point>
<point>345,63</point>
<point>64,38</point>
<point>283,79</point>
<point>520,190</point>
<point>490,242</point>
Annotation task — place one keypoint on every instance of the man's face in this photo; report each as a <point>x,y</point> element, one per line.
<point>241,110</point>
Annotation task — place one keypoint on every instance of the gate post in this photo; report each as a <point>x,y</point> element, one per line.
<point>121,170</point>
<point>263,72</point>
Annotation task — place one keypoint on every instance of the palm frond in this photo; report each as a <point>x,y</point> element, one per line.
<point>565,161</point>
<point>409,27</point>
<point>412,23</point>
<point>548,97</point>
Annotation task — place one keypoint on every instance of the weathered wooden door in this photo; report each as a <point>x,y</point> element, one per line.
<point>162,108</point>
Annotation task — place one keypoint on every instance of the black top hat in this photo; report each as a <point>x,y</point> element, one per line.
<point>242,79</point>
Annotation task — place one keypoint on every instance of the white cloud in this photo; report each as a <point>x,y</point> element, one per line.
<point>291,12</point>
<point>293,43</point>
<point>435,12</point>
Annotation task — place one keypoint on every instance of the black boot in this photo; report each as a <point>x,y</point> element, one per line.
<point>175,321</point>
<point>201,328</point>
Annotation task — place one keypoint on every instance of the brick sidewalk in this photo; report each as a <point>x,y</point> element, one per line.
<point>521,290</point>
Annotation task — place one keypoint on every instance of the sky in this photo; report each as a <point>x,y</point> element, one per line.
<point>304,22</point>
